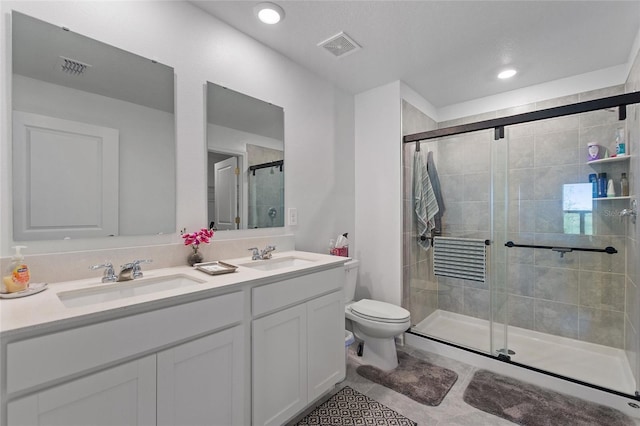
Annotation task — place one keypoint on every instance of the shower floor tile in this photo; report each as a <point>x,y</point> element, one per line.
<point>588,362</point>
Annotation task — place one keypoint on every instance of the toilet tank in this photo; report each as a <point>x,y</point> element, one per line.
<point>351,270</point>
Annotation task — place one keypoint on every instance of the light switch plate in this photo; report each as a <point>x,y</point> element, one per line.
<point>293,216</point>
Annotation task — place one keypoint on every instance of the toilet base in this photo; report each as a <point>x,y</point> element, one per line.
<point>380,352</point>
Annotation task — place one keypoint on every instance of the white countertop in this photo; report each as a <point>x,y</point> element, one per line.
<point>45,308</point>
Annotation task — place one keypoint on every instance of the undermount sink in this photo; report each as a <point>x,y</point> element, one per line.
<point>122,290</point>
<point>277,263</point>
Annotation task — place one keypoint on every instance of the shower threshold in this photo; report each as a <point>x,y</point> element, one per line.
<point>599,365</point>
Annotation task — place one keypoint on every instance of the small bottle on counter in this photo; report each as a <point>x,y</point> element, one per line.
<point>624,185</point>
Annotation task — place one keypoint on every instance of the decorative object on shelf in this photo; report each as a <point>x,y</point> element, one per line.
<point>596,152</point>
<point>194,239</point>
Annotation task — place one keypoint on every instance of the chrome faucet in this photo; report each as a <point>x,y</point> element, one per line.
<point>109,275</point>
<point>262,254</point>
<point>132,270</point>
<point>128,271</point>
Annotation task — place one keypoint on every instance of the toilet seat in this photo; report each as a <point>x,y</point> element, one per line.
<point>375,310</point>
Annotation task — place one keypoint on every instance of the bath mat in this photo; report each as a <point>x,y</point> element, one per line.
<point>350,407</point>
<point>528,404</point>
<point>417,379</point>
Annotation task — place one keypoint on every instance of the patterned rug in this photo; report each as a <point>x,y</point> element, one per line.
<point>350,407</point>
<point>415,378</point>
<point>528,404</point>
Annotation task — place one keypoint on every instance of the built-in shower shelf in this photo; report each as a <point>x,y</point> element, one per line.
<point>611,198</point>
<point>609,159</point>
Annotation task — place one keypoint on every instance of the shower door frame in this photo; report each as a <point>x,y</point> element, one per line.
<point>498,124</point>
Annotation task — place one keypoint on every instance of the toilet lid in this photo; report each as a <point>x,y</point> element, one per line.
<point>379,311</point>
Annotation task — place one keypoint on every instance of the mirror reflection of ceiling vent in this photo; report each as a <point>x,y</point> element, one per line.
<point>340,45</point>
<point>72,66</point>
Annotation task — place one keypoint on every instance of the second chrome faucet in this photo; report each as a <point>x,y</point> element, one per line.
<point>128,271</point>
<point>262,254</point>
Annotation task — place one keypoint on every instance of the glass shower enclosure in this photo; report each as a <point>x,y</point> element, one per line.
<point>555,294</point>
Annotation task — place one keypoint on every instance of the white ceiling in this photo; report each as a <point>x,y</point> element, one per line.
<point>447,51</point>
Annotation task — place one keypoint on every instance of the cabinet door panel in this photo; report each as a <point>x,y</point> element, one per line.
<point>202,382</point>
<point>325,316</point>
<point>123,395</point>
<point>279,366</point>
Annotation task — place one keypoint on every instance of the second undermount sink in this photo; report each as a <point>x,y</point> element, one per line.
<point>121,290</point>
<point>277,263</point>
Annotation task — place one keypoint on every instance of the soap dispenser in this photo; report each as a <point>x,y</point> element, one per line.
<point>17,275</point>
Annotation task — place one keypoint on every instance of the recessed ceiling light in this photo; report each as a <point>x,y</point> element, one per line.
<point>269,13</point>
<point>507,74</point>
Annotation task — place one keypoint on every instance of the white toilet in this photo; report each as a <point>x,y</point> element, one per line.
<point>374,323</point>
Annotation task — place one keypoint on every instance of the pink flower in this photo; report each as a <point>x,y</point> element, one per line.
<point>194,239</point>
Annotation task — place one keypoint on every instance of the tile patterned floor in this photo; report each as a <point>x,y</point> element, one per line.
<point>453,411</point>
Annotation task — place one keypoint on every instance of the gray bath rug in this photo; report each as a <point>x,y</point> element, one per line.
<point>417,379</point>
<point>531,405</point>
<point>350,407</point>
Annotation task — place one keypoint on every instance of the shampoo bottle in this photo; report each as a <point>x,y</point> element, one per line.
<point>621,147</point>
<point>17,275</point>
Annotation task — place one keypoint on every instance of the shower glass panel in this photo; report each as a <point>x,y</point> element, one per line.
<point>266,197</point>
<point>545,303</point>
<point>566,308</point>
<point>451,308</point>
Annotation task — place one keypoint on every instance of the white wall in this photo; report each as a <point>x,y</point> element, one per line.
<point>378,184</point>
<point>318,118</point>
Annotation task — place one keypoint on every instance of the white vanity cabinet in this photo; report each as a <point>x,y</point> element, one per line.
<point>181,365</point>
<point>298,350</point>
<point>91,400</point>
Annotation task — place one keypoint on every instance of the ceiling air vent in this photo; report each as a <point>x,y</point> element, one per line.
<point>72,66</point>
<point>340,45</point>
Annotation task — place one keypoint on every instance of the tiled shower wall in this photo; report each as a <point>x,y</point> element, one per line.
<point>581,295</point>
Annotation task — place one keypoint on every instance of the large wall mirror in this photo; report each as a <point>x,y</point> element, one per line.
<point>245,164</point>
<point>94,151</point>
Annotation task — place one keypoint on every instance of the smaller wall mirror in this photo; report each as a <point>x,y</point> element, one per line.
<point>245,161</point>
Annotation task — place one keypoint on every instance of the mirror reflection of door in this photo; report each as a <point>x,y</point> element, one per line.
<point>224,203</point>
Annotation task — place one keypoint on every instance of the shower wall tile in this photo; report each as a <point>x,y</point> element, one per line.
<point>521,109</point>
<point>422,303</point>
<point>602,93</point>
<point>476,303</point>
<point>451,186</point>
<point>552,103</point>
<point>556,149</point>
<point>522,218</point>
<point>557,284</point>
<point>601,327</point>
<point>559,124</point>
<point>521,278</point>
<point>521,184</point>
<point>549,181</point>
<point>476,187</point>
<point>604,262</point>
<point>548,217</point>
<point>518,131</point>
<point>476,215</point>
<point>556,318</point>
<point>552,259</point>
<point>599,118</point>
<point>602,290</point>
<point>477,153</point>
<point>521,312</point>
<point>466,120</point>
<point>632,308</point>
<point>451,159</point>
<point>450,298</point>
<point>631,347</point>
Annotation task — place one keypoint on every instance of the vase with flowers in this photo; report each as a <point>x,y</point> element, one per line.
<point>194,239</point>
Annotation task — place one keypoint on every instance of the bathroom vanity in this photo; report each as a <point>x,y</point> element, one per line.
<point>255,346</point>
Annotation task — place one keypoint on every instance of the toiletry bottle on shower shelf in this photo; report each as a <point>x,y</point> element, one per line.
<point>611,191</point>
<point>593,178</point>
<point>602,185</point>
<point>624,185</point>
<point>621,147</point>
